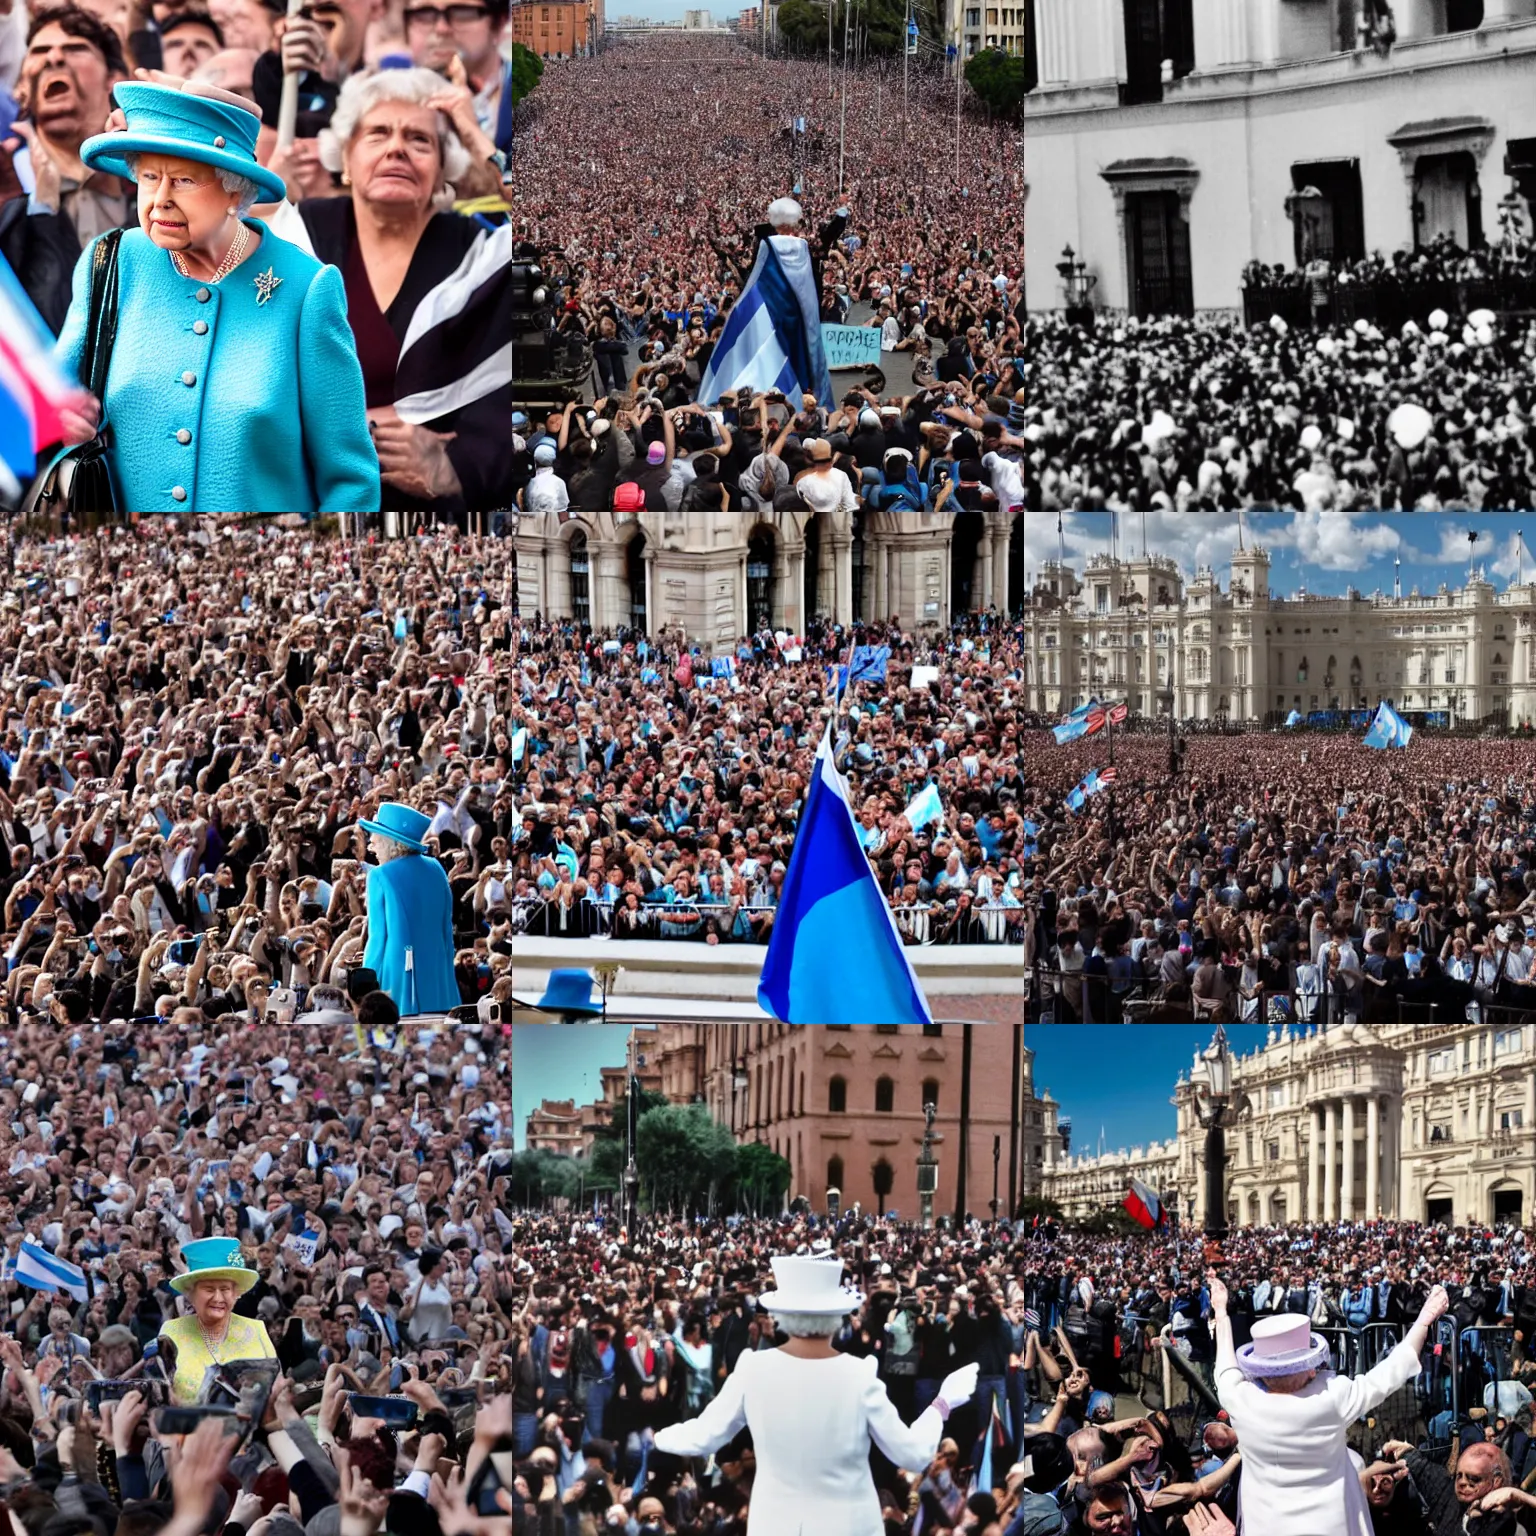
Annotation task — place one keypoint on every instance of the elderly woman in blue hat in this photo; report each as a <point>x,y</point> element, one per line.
<point>234,383</point>
<point>212,1333</point>
<point>410,914</point>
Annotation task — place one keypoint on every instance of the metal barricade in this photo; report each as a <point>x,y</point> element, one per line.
<point>1342,1353</point>
<point>1484,1356</point>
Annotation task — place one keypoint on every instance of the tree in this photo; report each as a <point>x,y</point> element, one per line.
<point>762,1178</point>
<point>885,1181</point>
<point>803,25</point>
<point>684,1158</point>
<point>527,70</point>
<point>999,80</point>
<point>617,1127</point>
<point>1114,1222</point>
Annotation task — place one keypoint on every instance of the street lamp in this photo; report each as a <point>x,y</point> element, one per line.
<point>927,1171</point>
<point>1212,1080</point>
<point>1077,284</point>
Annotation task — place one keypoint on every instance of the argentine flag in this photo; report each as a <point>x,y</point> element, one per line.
<point>925,806</point>
<point>772,336</point>
<point>1294,718</point>
<point>1075,725</point>
<point>34,1266</point>
<point>835,956</point>
<point>1388,729</point>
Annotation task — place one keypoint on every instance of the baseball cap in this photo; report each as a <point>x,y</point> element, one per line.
<point>544,454</point>
<point>655,453</point>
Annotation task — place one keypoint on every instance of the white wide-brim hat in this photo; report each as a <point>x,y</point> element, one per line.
<point>811,1284</point>
<point>1282,1346</point>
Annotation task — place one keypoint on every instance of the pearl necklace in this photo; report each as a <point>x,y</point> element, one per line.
<point>232,258</point>
<point>213,1349</point>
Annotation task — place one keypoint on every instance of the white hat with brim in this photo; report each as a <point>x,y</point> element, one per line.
<point>810,1284</point>
<point>1282,1346</point>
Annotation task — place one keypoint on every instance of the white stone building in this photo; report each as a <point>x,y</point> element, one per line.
<point>1082,1183</point>
<point>1167,139</point>
<point>1418,1122</point>
<point>720,575</point>
<point>1132,629</point>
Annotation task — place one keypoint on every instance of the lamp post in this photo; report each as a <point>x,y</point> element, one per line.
<point>927,1171</point>
<point>1077,284</point>
<point>997,1154</point>
<point>1212,1079</point>
<point>632,1120</point>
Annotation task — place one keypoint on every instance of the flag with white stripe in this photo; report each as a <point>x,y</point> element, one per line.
<point>458,346</point>
<point>34,1266</point>
<point>772,336</point>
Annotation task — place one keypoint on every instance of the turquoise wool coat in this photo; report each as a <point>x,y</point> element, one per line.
<point>220,404</point>
<point>410,906</point>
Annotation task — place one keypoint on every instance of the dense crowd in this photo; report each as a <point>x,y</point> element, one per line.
<point>625,1333</point>
<point>932,259</point>
<point>193,1059</point>
<point>1286,877</point>
<point>650,798</point>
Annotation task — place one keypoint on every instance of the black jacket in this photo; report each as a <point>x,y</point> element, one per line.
<point>43,250</point>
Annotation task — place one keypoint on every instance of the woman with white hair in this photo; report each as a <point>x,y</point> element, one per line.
<point>233,383</point>
<point>1292,1422</point>
<point>428,292</point>
<point>813,1412</point>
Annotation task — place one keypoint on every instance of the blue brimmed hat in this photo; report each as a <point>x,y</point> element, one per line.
<point>198,122</point>
<point>214,1258</point>
<point>402,824</point>
<point>569,992</point>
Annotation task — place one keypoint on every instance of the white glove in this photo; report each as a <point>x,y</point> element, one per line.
<point>958,1387</point>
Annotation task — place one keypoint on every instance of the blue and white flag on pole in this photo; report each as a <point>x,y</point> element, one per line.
<point>1076,724</point>
<point>34,1266</point>
<point>772,336</point>
<point>1388,729</point>
<point>924,807</point>
<point>832,917</point>
<point>1294,718</point>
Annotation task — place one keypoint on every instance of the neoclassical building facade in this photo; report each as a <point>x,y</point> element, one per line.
<point>1418,1122</point>
<point>719,575</point>
<point>1133,629</point>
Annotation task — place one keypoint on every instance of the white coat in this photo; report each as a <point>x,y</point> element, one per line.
<point>811,1423</point>
<point>1298,1479</point>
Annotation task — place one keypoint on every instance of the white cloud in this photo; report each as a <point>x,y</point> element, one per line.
<point>1193,539</point>
<point>1340,541</point>
<point>1497,548</point>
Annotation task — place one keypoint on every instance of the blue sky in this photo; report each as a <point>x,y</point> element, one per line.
<point>1130,1101</point>
<point>1327,552</point>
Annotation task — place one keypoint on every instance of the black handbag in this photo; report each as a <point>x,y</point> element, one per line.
<point>77,485</point>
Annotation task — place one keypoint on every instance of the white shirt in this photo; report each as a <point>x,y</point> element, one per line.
<point>1006,480</point>
<point>546,492</point>
<point>828,491</point>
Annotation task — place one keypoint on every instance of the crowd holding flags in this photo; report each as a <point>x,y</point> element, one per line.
<point>1090,784</point>
<point>1388,729</point>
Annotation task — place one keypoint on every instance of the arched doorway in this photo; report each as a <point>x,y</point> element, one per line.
<point>581,590</point>
<point>812,567</point>
<point>964,546</point>
<point>634,568</point>
<point>1016,566</point>
<point>762,598</point>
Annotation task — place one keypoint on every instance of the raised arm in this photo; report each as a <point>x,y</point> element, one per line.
<point>723,1416</point>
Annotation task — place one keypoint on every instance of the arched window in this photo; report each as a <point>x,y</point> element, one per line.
<point>834,1173</point>
<point>885,1095</point>
<point>930,1092</point>
<point>837,1096</point>
<point>581,599</point>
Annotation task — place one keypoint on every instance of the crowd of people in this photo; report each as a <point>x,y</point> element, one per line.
<point>931,258</point>
<point>629,1355</point>
<point>237,1190</point>
<point>1283,877</point>
<point>374,247</point>
<point>649,798</point>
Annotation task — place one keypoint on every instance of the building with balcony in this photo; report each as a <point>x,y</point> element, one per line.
<point>558,29</point>
<point>1084,1182</point>
<point>1171,142</point>
<point>1429,1123</point>
<point>993,25</point>
<point>720,575</point>
<point>1133,629</point>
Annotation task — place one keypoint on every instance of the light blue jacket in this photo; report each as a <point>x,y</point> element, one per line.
<point>260,410</point>
<point>410,906</point>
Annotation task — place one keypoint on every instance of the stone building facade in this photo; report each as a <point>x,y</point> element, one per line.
<point>1132,629</point>
<point>1417,1122</point>
<point>720,575</point>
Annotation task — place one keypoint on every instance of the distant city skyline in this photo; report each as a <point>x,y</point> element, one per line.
<point>1131,1103</point>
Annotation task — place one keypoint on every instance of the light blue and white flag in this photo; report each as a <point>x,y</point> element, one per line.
<point>1076,724</point>
<point>34,1266</point>
<point>924,807</point>
<point>1294,718</point>
<point>519,743</point>
<point>1388,729</point>
<point>832,911</point>
<point>772,336</point>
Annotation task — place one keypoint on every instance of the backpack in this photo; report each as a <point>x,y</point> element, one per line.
<point>629,497</point>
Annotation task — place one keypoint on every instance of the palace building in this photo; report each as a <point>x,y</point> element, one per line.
<point>1172,142</point>
<point>1432,1123</point>
<point>719,575</point>
<point>1133,629</point>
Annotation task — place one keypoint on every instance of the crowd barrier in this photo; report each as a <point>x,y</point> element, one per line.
<point>919,925</point>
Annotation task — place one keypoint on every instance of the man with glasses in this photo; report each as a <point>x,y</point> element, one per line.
<point>437,31</point>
